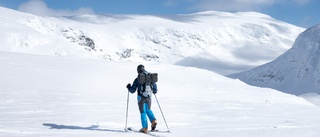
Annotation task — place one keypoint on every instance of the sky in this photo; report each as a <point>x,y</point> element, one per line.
<point>303,13</point>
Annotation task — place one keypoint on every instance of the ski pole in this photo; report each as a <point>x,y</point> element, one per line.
<point>162,112</point>
<point>127,112</point>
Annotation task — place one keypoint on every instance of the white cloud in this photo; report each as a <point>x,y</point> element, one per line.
<point>39,7</point>
<point>232,5</point>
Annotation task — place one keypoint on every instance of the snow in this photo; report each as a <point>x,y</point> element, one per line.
<point>70,96</point>
<point>66,77</point>
<point>222,42</point>
<point>298,67</point>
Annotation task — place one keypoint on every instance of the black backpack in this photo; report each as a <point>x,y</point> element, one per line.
<point>146,80</point>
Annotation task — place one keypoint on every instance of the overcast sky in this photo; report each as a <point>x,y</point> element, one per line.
<point>304,13</point>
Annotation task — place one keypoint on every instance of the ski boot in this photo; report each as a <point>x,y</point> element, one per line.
<point>154,124</point>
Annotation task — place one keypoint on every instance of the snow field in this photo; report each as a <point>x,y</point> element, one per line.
<point>71,96</point>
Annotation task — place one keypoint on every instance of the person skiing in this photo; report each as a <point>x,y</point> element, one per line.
<point>144,103</point>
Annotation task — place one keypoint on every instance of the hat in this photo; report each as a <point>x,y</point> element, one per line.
<point>140,68</point>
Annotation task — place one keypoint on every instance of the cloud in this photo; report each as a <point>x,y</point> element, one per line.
<point>231,5</point>
<point>2,5</point>
<point>171,3</point>
<point>308,21</point>
<point>39,7</point>
<point>301,2</point>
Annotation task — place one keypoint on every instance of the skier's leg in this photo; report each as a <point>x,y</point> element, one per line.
<point>150,114</point>
<point>149,111</point>
<point>143,118</point>
<point>143,114</point>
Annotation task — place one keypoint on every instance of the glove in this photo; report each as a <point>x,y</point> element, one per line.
<point>128,86</point>
<point>154,92</point>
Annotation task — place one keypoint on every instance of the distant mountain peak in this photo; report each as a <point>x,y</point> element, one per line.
<point>297,71</point>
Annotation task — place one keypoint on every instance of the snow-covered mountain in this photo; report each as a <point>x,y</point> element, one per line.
<point>297,71</point>
<point>60,88</point>
<point>218,41</point>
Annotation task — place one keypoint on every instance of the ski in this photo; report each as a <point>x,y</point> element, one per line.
<point>137,131</point>
<point>159,131</point>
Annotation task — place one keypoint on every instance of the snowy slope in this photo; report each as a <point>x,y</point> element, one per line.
<point>65,96</point>
<point>52,83</point>
<point>297,71</point>
<point>218,41</point>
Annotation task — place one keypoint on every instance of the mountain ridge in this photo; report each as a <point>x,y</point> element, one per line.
<point>297,71</point>
<point>220,42</point>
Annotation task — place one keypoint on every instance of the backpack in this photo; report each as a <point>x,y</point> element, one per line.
<point>146,80</point>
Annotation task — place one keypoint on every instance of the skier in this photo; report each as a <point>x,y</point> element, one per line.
<point>144,103</point>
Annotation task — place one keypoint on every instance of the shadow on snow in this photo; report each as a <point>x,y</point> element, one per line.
<point>92,127</point>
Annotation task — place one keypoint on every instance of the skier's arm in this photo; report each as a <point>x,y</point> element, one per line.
<point>134,86</point>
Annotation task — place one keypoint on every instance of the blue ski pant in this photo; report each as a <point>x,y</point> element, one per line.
<point>144,104</point>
